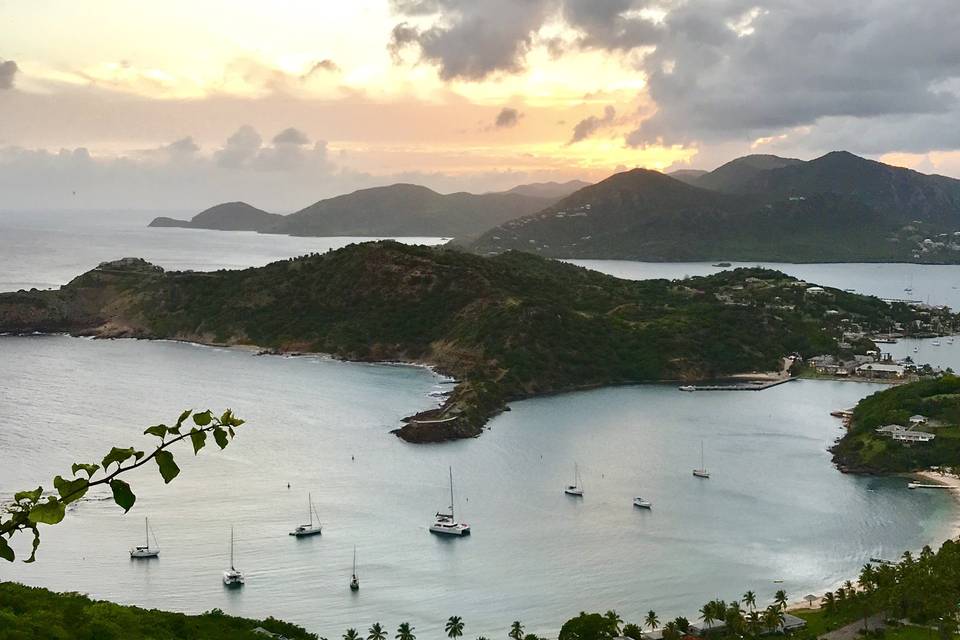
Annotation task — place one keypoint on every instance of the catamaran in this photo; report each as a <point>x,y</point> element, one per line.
<point>232,577</point>
<point>446,523</point>
<point>702,471</point>
<point>575,489</point>
<point>354,580</point>
<point>146,551</point>
<point>311,529</point>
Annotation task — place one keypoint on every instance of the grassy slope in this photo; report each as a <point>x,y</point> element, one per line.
<point>939,399</point>
<point>29,613</point>
<point>508,327</point>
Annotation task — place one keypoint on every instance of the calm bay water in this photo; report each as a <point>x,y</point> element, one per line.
<point>775,509</point>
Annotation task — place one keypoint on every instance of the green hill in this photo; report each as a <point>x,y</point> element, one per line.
<point>28,612</point>
<point>837,208</point>
<point>506,327</point>
<point>938,399</point>
<point>408,210</point>
<point>229,216</point>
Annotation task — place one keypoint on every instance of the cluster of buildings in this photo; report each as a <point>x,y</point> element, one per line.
<point>907,435</point>
<point>871,365</point>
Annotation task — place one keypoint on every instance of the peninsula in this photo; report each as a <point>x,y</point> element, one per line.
<point>505,327</point>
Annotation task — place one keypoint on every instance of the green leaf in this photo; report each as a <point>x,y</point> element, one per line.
<point>231,432</point>
<point>221,437</point>
<point>116,455</point>
<point>168,468</point>
<point>122,494</point>
<point>89,469</point>
<point>32,496</point>
<point>183,416</point>
<point>159,430</point>
<point>198,438</point>
<point>202,419</point>
<point>49,512</point>
<point>71,490</point>
<point>5,551</point>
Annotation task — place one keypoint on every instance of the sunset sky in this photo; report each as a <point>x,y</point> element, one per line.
<point>178,105</point>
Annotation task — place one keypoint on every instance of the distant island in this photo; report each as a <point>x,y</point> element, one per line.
<point>507,327</point>
<point>836,208</point>
<point>911,427</point>
<point>393,211</point>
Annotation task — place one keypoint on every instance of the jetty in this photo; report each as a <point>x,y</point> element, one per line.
<point>742,386</point>
<point>919,485</point>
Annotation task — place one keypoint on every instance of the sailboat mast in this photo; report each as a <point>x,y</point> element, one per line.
<point>701,455</point>
<point>451,494</point>
<point>310,507</point>
<point>146,531</point>
<point>231,549</point>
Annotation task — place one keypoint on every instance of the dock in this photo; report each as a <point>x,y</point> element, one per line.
<point>744,386</point>
<point>917,485</point>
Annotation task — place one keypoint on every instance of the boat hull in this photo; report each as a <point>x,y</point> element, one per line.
<point>642,504</point>
<point>306,533</point>
<point>458,530</point>
<point>576,493</point>
<point>143,554</point>
<point>699,473</point>
<point>233,579</point>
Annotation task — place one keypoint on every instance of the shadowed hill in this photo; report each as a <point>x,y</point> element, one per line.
<point>229,216</point>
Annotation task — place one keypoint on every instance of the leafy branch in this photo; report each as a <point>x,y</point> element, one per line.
<point>28,509</point>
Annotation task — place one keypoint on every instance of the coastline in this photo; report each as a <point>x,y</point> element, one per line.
<point>946,480</point>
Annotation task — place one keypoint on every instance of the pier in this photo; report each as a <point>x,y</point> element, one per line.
<point>744,386</point>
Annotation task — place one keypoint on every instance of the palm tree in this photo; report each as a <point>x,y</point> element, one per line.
<point>670,631</point>
<point>773,617</point>
<point>868,577</point>
<point>706,614</point>
<point>753,623</point>
<point>615,621</point>
<point>651,621</point>
<point>405,632</point>
<point>750,599</point>
<point>454,627</point>
<point>376,632</point>
<point>780,599</point>
<point>828,601</point>
<point>734,619</point>
<point>351,634</point>
<point>516,630</point>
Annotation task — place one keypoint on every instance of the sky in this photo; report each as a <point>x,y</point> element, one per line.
<point>177,105</point>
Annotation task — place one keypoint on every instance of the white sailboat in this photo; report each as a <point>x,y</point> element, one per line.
<point>311,529</point>
<point>575,489</point>
<point>146,551</point>
<point>702,471</point>
<point>354,580</point>
<point>446,523</point>
<point>232,577</point>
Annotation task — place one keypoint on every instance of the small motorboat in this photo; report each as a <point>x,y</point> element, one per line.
<point>688,387</point>
<point>643,504</point>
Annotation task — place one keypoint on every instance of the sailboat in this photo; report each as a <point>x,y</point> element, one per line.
<point>311,529</point>
<point>575,489</point>
<point>354,580</point>
<point>146,551</point>
<point>446,523</point>
<point>702,471</point>
<point>232,577</point>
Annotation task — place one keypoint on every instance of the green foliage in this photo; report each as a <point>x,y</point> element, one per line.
<point>938,399</point>
<point>27,612</point>
<point>588,626</point>
<point>28,509</point>
<point>454,627</point>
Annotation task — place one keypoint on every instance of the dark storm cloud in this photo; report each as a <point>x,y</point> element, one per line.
<point>508,117</point>
<point>8,71</point>
<point>588,126</point>
<point>724,69</point>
